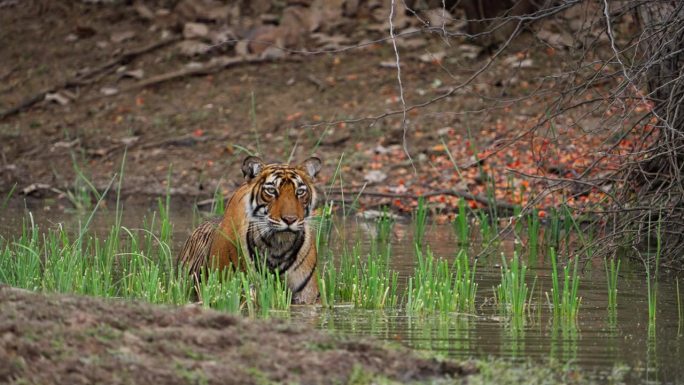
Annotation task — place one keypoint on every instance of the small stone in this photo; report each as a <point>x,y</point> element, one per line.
<point>120,37</point>
<point>109,91</point>
<point>192,48</point>
<point>195,30</point>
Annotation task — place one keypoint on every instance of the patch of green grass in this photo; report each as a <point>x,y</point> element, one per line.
<point>461,224</point>
<point>652,278</point>
<point>8,196</point>
<point>512,295</point>
<point>383,228</point>
<point>533,234</point>
<point>420,216</point>
<point>680,310</point>
<point>612,271</point>
<point>565,301</point>
<point>377,285</point>
<point>436,286</point>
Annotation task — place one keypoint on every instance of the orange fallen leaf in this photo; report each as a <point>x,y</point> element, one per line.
<point>294,116</point>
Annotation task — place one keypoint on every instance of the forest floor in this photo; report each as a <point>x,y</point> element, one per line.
<point>112,82</point>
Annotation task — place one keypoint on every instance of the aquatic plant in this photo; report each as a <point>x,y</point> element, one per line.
<point>565,301</point>
<point>612,271</point>
<point>461,224</point>
<point>680,310</point>
<point>420,221</point>
<point>435,286</point>
<point>511,294</point>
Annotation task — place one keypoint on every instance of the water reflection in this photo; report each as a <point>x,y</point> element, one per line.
<point>602,338</point>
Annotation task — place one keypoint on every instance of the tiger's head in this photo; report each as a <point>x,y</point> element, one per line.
<point>282,196</point>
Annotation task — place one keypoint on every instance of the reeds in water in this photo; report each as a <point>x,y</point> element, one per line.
<point>564,301</point>
<point>513,295</point>
<point>612,271</point>
<point>438,287</point>
<point>420,216</point>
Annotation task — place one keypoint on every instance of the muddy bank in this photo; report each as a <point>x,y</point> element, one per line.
<point>79,340</point>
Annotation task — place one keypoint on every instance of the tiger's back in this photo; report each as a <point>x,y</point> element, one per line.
<point>267,217</point>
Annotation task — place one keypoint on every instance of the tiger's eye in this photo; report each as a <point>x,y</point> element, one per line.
<point>270,190</point>
<point>301,191</point>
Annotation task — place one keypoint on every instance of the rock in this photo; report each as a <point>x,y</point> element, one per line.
<point>109,91</point>
<point>432,57</point>
<point>326,14</point>
<point>262,37</point>
<point>351,7</point>
<point>57,97</point>
<point>470,51</point>
<point>259,7</point>
<point>272,52</point>
<point>135,74</point>
<point>375,214</point>
<point>556,40</point>
<point>375,176</point>
<point>325,41</point>
<point>242,48</point>
<point>411,44</point>
<point>437,17</point>
<point>193,30</point>
<point>299,19</point>
<point>223,36</point>
<point>515,62</point>
<point>143,11</point>
<point>202,10</point>
<point>192,48</point>
<point>399,20</point>
<point>129,140</point>
<point>120,37</point>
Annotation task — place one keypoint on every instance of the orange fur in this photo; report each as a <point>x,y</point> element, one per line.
<point>266,216</point>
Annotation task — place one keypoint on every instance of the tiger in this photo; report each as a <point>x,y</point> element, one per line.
<point>268,218</point>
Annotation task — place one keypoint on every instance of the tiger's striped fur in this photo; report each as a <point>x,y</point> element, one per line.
<point>266,217</point>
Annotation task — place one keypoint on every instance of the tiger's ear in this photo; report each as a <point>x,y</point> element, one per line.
<point>251,167</point>
<point>312,166</point>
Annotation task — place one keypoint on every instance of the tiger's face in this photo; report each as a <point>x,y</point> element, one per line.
<point>283,196</point>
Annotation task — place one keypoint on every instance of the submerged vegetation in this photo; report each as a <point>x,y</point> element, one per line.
<point>565,300</point>
<point>138,264</point>
<point>512,293</point>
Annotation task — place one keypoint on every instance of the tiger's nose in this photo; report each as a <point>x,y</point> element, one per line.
<point>289,219</point>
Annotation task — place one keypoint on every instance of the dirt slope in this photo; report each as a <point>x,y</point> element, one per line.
<point>54,339</point>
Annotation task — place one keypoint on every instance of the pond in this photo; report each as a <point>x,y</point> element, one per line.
<point>600,341</point>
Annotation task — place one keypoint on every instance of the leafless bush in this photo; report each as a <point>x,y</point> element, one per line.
<point>621,77</point>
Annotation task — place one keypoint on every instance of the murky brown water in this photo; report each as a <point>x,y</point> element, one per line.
<point>594,343</point>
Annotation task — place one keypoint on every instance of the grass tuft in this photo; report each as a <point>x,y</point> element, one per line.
<point>565,301</point>
<point>513,295</point>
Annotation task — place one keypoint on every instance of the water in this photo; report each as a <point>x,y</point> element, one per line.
<point>595,343</point>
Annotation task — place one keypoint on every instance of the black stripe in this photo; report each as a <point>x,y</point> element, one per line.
<point>303,259</point>
<point>255,212</point>
<point>303,284</point>
<point>291,257</point>
<point>250,244</point>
